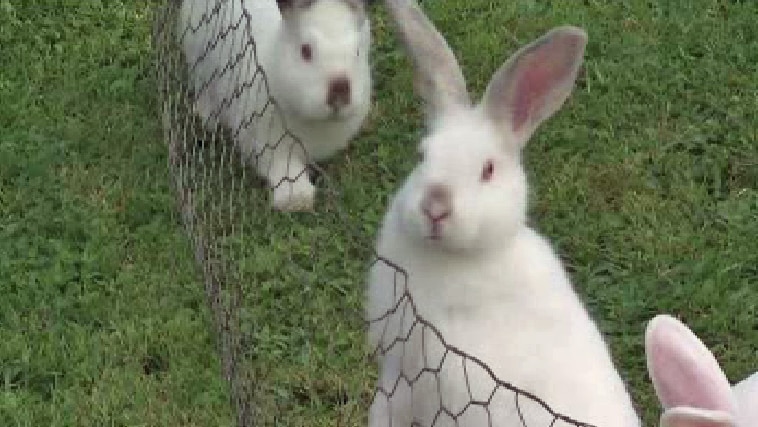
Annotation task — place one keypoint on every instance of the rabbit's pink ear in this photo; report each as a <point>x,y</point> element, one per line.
<point>535,81</point>
<point>692,417</point>
<point>683,370</point>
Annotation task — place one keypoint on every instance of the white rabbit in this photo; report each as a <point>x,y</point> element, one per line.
<point>491,286</point>
<point>689,382</point>
<point>315,58</point>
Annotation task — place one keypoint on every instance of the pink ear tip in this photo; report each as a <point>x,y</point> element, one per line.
<point>657,324</point>
<point>578,34</point>
<point>684,371</point>
<point>657,335</point>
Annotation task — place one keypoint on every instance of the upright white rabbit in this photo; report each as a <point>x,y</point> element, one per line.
<point>490,285</point>
<point>689,382</point>
<point>314,62</point>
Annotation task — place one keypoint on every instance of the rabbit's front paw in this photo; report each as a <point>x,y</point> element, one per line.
<point>294,196</point>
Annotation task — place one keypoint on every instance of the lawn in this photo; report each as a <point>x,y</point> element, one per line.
<point>646,182</point>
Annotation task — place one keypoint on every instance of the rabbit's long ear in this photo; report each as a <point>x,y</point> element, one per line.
<point>438,78</point>
<point>535,82</point>
<point>692,417</point>
<point>683,370</point>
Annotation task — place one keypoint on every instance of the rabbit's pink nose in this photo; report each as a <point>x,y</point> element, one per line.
<point>436,203</point>
<point>339,93</point>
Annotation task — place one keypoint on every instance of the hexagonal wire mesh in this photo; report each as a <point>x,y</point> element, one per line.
<point>290,325</point>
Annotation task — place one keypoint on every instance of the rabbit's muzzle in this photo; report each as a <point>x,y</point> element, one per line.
<point>338,94</point>
<point>437,207</point>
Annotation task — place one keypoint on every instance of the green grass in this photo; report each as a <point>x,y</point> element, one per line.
<point>647,183</point>
<point>102,321</point>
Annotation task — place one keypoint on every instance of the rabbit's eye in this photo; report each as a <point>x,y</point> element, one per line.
<point>420,155</point>
<point>306,51</point>
<point>488,170</point>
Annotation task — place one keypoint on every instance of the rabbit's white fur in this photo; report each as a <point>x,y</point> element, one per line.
<point>229,88</point>
<point>491,286</point>
<point>746,392</point>
<point>689,382</point>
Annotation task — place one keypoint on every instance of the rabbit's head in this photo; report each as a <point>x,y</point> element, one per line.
<point>469,189</point>
<point>689,382</point>
<point>322,69</point>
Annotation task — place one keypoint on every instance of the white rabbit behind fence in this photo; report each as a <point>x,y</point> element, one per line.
<point>310,56</point>
<point>689,382</point>
<point>455,239</point>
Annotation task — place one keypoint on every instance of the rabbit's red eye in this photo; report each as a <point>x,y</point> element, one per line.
<point>488,170</point>
<point>306,51</point>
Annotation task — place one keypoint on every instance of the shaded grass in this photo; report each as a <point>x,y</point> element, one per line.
<point>646,182</point>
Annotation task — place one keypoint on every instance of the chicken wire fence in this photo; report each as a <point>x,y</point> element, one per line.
<point>288,320</point>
